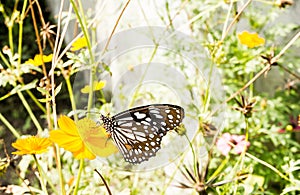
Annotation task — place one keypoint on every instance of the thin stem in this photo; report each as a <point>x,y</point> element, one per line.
<point>43,185</point>
<point>290,43</point>
<point>10,37</point>
<point>269,166</point>
<point>219,169</point>
<point>9,126</point>
<point>81,166</point>
<point>4,60</point>
<point>266,68</point>
<point>59,169</point>
<point>104,182</point>
<point>22,16</point>
<point>38,40</point>
<point>290,72</point>
<point>36,101</point>
<point>32,116</point>
<point>52,79</point>
<point>227,20</point>
<point>83,24</point>
<point>115,27</point>
<point>71,94</point>
<point>43,174</point>
<point>245,146</point>
<point>143,77</point>
<point>235,19</point>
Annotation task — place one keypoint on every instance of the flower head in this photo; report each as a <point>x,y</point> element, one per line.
<point>96,86</point>
<point>250,39</point>
<point>79,43</point>
<point>293,126</point>
<point>228,141</point>
<point>245,106</point>
<point>84,139</point>
<point>39,59</point>
<point>31,145</point>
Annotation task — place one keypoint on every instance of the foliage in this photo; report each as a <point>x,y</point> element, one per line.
<point>257,152</point>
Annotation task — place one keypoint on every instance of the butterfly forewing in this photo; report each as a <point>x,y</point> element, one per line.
<point>138,132</point>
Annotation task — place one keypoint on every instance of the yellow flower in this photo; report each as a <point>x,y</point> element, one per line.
<point>96,138</point>
<point>96,87</point>
<point>78,44</point>
<point>31,145</point>
<point>250,39</point>
<point>38,59</point>
<point>75,138</point>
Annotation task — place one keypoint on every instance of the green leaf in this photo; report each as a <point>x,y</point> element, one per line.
<point>57,90</point>
<point>19,88</point>
<point>43,91</point>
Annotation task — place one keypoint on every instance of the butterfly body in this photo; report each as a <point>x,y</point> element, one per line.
<point>138,132</point>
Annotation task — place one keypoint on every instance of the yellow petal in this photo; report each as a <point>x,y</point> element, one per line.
<point>250,39</point>
<point>96,87</point>
<point>78,44</point>
<point>75,138</point>
<point>85,89</point>
<point>38,59</point>
<point>67,125</point>
<point>66,141</point>
<point>31,145</point>
<point>95,138</point>
<point>84,153</point>
<point>47,58</point>
<point>99,85</point>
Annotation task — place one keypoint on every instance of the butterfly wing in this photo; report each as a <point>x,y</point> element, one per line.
<point>138,131</point>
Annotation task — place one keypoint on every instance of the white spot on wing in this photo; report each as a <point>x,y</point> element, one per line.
<point>140,115</point>
<point>170,116</point>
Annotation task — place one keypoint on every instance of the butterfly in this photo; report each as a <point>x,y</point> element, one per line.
<point>138,132</point>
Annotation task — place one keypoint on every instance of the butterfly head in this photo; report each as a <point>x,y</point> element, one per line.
<point>107,123</point>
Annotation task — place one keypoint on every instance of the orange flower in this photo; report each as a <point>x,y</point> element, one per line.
<point>75,138</point>
<point>31,145</point>
<point>38,59</point>
<point>250,39</point>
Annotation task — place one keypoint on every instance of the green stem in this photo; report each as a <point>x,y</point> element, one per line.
<point>207,92</point>
<point>251,87</point>
<point>36,101</point>
<point>10,38</point>
<point>91,92</point>
<point>41,177</point>
<point>79,176</point>
<point>43,174</point>
<point>22,16</point>
<point>143,77</point>
<point>59,169</point>
<point>269,166</point>
<point>219,169</point>
<point>32,116</point>
<point>71,94</point>
<point>83,24</point>
<point>9,126</point>
<point>4,60</point>
<point>245,146</point>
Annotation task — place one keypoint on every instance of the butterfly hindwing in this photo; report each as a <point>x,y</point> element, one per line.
<point>138,132</point>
